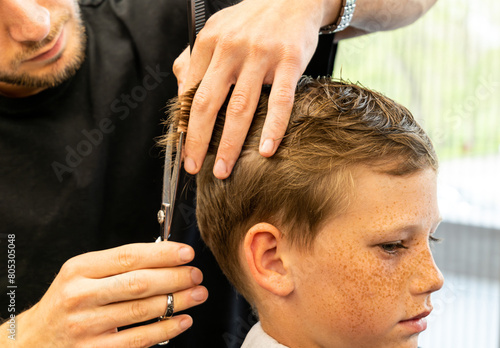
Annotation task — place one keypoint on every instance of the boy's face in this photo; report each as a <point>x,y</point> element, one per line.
<point>371,270</point>
<point>42,44</point>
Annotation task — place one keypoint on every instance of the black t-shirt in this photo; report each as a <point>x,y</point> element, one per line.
<point>79,169</point>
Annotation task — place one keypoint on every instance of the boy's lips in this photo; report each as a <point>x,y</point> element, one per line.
<point>417,323</point>
<point>51,52</point>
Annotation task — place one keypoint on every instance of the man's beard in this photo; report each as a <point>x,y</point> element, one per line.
<point>50,79</point>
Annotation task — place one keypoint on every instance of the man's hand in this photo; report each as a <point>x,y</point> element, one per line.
<point>98,292</point>
<point>260,42</point>
<point>247,45</point>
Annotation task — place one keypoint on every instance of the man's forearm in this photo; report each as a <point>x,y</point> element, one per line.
<point>376,15</point>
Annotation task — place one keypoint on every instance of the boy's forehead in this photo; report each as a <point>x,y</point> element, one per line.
<point>385,202</point>
<point>379,183</point>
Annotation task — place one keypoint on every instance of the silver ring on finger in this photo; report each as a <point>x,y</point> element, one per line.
<point>169,312</point>
<point>164,343</point>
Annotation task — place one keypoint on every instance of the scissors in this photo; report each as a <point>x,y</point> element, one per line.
<point>170,184</point>
<point>196,20</point>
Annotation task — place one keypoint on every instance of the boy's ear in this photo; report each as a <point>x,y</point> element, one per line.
<point>266,254</point>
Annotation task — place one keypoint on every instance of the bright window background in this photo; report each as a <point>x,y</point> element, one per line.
<point>446,69</point>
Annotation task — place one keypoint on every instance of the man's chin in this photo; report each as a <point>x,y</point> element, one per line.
<point>24,85</point>
<point>51,75</point>
<point>39,82</point>
<point>34,83</point>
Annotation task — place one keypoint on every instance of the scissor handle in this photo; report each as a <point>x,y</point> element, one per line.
<point>164,220</point>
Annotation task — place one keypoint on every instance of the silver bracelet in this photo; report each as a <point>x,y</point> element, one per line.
<point>344,18</point>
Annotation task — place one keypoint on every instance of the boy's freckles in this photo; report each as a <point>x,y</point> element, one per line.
<point>363,291</point>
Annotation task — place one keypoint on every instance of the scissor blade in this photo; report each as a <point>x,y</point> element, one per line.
<point>174,181</point>
<point>166,194</point>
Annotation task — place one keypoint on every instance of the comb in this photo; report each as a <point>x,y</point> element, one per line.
<point>196,19</point>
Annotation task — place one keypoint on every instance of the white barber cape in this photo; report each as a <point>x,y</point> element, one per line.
<point>257,338</point>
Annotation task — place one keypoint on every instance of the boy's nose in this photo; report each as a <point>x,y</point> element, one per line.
<point>26,20</point>
<point>428,276</point>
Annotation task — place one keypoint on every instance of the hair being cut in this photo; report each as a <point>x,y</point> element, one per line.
<point>334,127</point>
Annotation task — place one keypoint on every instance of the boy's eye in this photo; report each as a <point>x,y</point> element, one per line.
<point>392,247</point>
<point>433,239</point>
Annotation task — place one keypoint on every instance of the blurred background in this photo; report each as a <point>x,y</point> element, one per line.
<point>446,69</point>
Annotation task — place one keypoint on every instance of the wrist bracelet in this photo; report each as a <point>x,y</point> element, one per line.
<point>344,19</point>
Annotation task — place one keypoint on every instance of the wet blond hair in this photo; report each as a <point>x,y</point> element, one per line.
<point>334,127</point>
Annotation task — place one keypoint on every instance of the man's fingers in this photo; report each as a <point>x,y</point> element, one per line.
<point>190,66</point>
<point>126,258</point>
<point>148,335</point>
<point>137,311</point>
<point>279,110</point>
<point>180,69</point>
<point>207,101</point>
<point>239,115</point>
<point>200,58</point>
<point>145,283</point>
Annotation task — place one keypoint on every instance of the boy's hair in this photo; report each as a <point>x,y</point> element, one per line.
<point>334,127</point>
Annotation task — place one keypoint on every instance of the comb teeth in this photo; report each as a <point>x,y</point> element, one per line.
<point>199,15</point>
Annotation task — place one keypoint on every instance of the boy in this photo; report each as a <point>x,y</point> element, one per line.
<point>328,239</point>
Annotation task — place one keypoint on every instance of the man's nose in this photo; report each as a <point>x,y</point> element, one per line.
<point>428,277</point>
<point>26,20</point>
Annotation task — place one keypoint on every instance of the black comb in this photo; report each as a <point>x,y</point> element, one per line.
<point>196,19</point>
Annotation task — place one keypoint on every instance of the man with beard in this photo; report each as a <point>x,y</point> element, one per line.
<point>82,90</point>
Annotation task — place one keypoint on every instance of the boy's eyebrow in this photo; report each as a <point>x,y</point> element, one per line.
<point>409,229</point>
